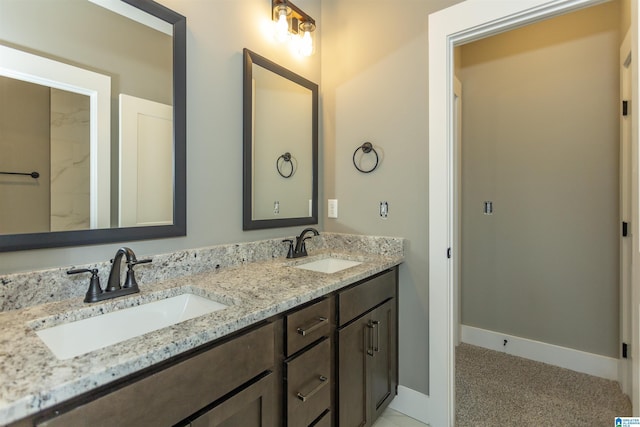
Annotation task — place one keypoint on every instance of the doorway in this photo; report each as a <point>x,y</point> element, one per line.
<point>457,25</point>
<point>540,191</point>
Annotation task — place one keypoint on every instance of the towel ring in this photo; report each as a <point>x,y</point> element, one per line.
<point>286,158</point>
<point>367,147</point>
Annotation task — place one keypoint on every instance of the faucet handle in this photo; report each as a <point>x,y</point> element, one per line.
<point>94,284</point>
<point>130,281</point>
<point>82,270</point>
<point>140,261</point>
<point>290,252</point>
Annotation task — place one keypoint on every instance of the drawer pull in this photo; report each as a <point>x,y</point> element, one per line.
<point>370,348</point>
<point>304,330</point>
<point>376,325</point>
<point>323,382</point>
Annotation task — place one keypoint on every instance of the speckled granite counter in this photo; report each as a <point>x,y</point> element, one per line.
<point>32,379</point>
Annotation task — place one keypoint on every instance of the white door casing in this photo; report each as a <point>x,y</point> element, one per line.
<point>462,23</point>
<point>625,370</point>
<point>457,213</point>
<point>43,71</point>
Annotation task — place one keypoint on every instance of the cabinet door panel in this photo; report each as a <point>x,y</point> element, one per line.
<point>383,362</point>
<point>251,407</point>
<point>353,343</point>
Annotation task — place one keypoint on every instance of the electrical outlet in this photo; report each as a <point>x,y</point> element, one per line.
<point>332,209</point>
<point>384,210</point>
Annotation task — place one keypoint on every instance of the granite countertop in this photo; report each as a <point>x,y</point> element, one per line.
<point>33,379</point>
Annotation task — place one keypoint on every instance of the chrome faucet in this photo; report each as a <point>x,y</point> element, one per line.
<point>300,248</point>
<point>114,288</point>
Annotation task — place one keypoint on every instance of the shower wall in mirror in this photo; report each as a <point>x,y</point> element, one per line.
<point>280,146</point>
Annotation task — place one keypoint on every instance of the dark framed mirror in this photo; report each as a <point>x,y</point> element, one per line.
<point>148,76</point>
<point>280,146</point>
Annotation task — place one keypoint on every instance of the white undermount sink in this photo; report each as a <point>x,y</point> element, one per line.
<point>328,265</point>
<point>75,338</point>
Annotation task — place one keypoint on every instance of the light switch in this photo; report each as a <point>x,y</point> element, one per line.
<point>332,209</point>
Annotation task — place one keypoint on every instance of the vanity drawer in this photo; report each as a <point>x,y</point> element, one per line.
<point>307,325</point>
<point>357,300</point>
<point>324,420</point>
<point>171,395</point>
<point>308,384</point>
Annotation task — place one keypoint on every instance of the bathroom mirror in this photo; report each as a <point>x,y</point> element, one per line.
<point>280,156</point>
<point>99,65</point>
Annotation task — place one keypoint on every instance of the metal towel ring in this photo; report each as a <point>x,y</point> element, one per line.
<point>286,157</point>
<point>367,147</point>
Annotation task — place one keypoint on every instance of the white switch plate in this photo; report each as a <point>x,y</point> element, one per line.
<point>332,209</point>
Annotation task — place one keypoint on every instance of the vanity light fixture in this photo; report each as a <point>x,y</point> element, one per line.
<point>293,25</point>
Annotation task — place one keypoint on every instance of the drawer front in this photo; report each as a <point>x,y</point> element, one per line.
<point>357,300</point>
<point>324,420</point>
<point>252,407</point>
<point>307,325</point>
<point>308,383</point>
<point>175,393</point>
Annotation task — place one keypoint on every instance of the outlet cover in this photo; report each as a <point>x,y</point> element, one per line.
<point>332,209</point>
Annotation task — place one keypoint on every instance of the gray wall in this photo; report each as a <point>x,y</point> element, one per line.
<point>540,139</point>
<point>217,31</point>
<point>375,88</point>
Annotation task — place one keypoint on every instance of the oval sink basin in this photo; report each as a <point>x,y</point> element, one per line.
<point>76,338</point>
<point>328,265</point>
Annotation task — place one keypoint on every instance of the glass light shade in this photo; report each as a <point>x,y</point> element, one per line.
<point>306,46</point>
<point>282,24</point>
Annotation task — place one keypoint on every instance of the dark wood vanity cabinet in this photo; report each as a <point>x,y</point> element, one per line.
<point>330,362</point>
<point>367,355</point>
<point>215,387</point>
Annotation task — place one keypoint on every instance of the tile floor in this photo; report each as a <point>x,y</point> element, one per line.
<point>391,418</point>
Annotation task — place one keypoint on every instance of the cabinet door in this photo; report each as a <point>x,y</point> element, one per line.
<point>354,343</point>
<point>383,362</point>
<point>252,407</point>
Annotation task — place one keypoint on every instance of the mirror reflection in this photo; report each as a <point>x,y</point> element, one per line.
<point>84,184</point>
<point>44,130</point>
<point>280,148</point>
<point>282,187</point>
<point>94,102</point>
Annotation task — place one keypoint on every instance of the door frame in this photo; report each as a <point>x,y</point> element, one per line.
<point>31,68</point>
<point>626,243</point>
<point>462,23</point>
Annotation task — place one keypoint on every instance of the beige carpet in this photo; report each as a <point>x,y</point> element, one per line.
<point>496,389</point>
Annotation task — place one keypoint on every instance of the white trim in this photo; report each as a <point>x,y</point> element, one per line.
<point>411,403</point>
<point>36,69</point>
<point>576,360</point>
<point>136,14</point>
<point>461,23</point>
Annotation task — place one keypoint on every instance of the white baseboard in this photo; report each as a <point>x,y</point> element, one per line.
<point>411,403</point>
<point>576,360</point>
